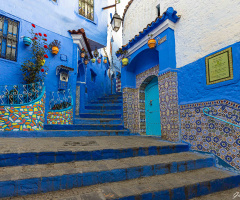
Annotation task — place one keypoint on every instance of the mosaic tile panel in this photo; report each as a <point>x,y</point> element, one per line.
<point>131,109</point>
<point>207,134</point>
<point>60,117</point>
<point>23,118</point>
<point>169,110</point>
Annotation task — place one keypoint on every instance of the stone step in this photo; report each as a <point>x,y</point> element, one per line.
<point>108,101</point>
<point>223,195</point>
<point>105,104</point>
<point>109,98</point>
<point>99,115</point>
<point>39,178</point>
<point>61,133</point>
<point>31,151</point>
<point>118,111</point>
<point>182,185</point>
<point>85,127</point>
<point>97,121</point>
<point>103,108</point>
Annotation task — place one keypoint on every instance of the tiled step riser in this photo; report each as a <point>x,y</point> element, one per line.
<point>103,107</point>
<point>189,192</point>
<point>47,184</point>
<point>44,134</point>
<point>83,127</point>
<point>68,156</point>
<point>113,116</point>
<point>110,122</point>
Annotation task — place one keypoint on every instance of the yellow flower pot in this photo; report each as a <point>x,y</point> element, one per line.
<point>41,61</point>
<point>55,50</point>
<point>125,61</point>
<point>152,43</point>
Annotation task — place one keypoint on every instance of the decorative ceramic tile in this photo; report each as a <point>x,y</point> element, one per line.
<point>207,134</point>
<point>60,117</point>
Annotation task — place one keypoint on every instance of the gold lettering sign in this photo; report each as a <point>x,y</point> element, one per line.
<point>219,67</point>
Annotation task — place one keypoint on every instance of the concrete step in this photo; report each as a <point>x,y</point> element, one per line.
<point>42,178</point>
<point>31,151</point>
<point>61,133</point>
<point>181,186</point>
<point>97,121</point>
<point>85,127</point>
<point>100,115</point>
<point>223,195</point>
<point>103,108</point>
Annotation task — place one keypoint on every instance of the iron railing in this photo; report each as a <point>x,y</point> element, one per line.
<point>60,100</point>
<point>206,111</point>
<point>20,94</point>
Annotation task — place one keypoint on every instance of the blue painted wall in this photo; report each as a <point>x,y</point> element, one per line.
<point>193,87</point>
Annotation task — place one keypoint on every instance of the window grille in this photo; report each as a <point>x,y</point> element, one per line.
<point>86,8</point>
<point>8,38</point>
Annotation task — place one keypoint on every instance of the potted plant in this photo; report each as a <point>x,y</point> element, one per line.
<point>124,56</point>
<point>151,42</point>
<point>105,60</point>
<point>83,52</point>
<point>93,60</point>
<point>99,60</point>
<point>86,60</point>
<point>34,68</point>
<point>27,41</point>
<point>55,46</point>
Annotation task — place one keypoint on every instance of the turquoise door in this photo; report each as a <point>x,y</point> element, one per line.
<point>152,108</point>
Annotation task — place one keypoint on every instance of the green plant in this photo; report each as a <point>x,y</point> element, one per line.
<point>83,50</point>
<point>61,106</point>
<point>32,68</point>
<point>123,53</point>
<point>55,43</point>
<point>150,36</point>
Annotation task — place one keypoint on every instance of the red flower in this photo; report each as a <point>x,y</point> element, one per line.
<point>40,34</point>
<point>33,25</point>
<point>45,39</point>
<point>36,34</point>
<point>45,35</point>
<point>42,70</point>
<point>35,38</point>
<point>45,46</point>
<point>45,56</point>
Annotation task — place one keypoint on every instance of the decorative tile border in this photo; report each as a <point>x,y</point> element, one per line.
<point>61,117</point>
<point>23,117</point>
<point>211,135</point>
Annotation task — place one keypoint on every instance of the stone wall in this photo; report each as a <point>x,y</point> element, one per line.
<point>196,31</point>
<point>27,117</point>
<point>207,134</point>
<point>61,117</point>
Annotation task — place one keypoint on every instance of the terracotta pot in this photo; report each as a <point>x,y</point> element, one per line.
<point>55,50</point>
<point>152,43</point>
<point>125,61</point>
<point>99,61</point>
<point>82,55</point>
<point>93,60</point>
<point>27,41</point>
<point>85,62</point>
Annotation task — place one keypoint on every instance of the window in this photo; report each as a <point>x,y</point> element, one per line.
<point>86,8</point>
<point>8,38</point>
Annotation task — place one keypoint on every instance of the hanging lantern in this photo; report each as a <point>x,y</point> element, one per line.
<point>116,22</point>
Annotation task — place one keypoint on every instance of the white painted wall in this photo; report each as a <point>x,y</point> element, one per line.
<point>205,26</point>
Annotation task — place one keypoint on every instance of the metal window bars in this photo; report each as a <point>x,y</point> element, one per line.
<point>60,100</point>
<point>86,8</point>
<point>20,94</point>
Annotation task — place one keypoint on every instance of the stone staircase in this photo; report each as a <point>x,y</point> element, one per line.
<point>122,167</point>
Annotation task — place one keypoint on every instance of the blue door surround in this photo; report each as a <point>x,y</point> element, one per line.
<point>152,108</point>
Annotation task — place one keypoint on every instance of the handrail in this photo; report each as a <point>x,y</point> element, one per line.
<point>205,110</point>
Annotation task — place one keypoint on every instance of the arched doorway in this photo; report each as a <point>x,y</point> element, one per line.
<point>152,108</point>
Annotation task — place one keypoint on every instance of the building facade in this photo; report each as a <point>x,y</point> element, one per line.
<point>68,81</point>
<point>186,88</point>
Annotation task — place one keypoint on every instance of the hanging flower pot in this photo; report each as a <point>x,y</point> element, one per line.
<point>125,61</point>
<point>105,60</point>
<point>93,60</point>
<point>85,62</point>
<point>99,60</point>
<point>27,41</point>
<point>55,50</point>
<point>152,43</point>
<point>82,55</point>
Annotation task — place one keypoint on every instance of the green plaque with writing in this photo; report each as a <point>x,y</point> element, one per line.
<point>219,67</point>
